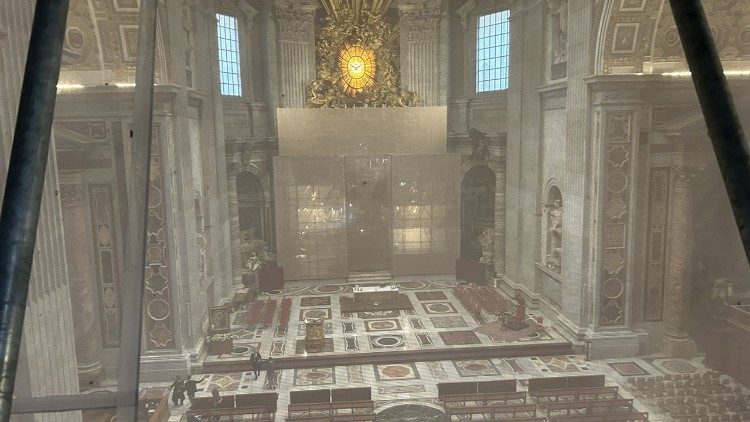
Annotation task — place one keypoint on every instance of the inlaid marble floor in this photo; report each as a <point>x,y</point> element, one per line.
<point>416,382</point>
<point>438,320</point>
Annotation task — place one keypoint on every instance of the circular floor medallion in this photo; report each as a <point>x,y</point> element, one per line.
<point>412,285</point>
<point>679,366</point>
<point>383,325</point>
<point>327,288</point>
<point>396,371</point>
<point>410,413</point>
<point>439,308</point>
<point>239,350</point>
<point>315,376</point>
<point>315,314</point>
<point>388,341</point>
<point>476,367</point>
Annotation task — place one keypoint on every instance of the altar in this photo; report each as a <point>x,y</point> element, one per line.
<point>375,295</point>
<point>376,299</point>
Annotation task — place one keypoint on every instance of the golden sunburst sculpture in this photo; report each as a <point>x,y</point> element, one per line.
<point>356,53</point>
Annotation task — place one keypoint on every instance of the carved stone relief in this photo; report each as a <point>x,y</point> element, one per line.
<point>658,214</point>
<point>159,318</point>
<point>106,255</point>
<point>558,31</point>
<point>615,218</point>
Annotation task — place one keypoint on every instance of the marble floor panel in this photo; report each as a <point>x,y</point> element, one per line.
<point>415,383</point>
<point>438,321</point>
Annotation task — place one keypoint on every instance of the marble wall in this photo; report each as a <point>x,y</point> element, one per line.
<point>47,365</point>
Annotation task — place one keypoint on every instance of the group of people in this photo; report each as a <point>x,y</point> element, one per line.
<point>190,385</point>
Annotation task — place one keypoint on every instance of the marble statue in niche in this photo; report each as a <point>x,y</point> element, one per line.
<point>558,10</point>
<point>485,240</point>
<point>554,209</point>
<point>255,252</point>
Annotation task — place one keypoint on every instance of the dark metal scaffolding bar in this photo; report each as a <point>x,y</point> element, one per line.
<point>25,183</point>
<point>724,127</point>
<point>135,236</point>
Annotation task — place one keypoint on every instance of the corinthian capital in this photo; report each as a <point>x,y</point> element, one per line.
<point>295,21</point>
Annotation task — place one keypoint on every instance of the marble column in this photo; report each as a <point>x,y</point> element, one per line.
<point>420,49</point>
<point>677,343</point>
<point>82,279</point>
<point>296,51</point>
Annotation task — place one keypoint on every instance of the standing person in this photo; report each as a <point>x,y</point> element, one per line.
<point>255,361</point>
<point>269,368</point>
<point>178,391</point>
<point>191,387</point>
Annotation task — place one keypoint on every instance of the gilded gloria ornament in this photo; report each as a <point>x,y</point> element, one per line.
<point>356,55</point>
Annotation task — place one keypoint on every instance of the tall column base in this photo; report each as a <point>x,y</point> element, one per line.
<point>90,375</point>
<point>617,344</point>
<point>679,346</point>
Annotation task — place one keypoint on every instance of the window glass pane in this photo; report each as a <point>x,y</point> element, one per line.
<point>492,44</point>
<point>229,55</point>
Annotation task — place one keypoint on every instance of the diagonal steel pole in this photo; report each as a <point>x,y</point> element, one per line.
<point>722,121</point>
<point>135,237</point>
<point>25,183</point>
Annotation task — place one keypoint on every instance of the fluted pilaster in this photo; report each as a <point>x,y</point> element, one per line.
<point>677,343</point>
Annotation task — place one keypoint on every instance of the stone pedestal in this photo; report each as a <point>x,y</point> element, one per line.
<point>677,343</point>
<point>315,339</point>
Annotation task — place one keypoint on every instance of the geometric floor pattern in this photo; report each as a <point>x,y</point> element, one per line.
<point>438,320</point>
<point>412,383</point>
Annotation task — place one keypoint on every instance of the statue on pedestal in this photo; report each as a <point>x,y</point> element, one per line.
<point>519,315</point>
<point>315,339</point>
<point>255,254</point>
<point>554,234</point>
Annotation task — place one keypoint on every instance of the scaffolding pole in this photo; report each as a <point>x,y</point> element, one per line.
<point>135,236</point>
<point>722,121</point>
<point>25,183</point>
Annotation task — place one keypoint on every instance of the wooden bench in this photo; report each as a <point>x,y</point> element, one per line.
<point>616,417</point>
<point>575,394</point>
<point>484,399</point>
<point>332,411</point>
<point>517,411</point>
<point>260,407</point>
<point>589,406</point>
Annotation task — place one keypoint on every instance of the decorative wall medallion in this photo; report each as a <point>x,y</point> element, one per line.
<point>613,262</point>
<point>614,235</point>
<point>618,155</point>
<point>158,309</point>
<point>656,244</point>
<point>157,282</point>
<point>617,182</point>
<point>616,208</point>
<point>613,288</point>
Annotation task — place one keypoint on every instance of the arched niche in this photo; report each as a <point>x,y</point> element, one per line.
<point>477,209</point>
<point>251,204</point>
<point>552,244</point>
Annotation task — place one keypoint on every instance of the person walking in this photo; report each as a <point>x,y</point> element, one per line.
<point>269,368</point>
<point>255,360</point>
<point>178,391</point>
<point>191,387</point>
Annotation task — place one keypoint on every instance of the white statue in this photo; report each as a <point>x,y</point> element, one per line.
<point>554,234</point>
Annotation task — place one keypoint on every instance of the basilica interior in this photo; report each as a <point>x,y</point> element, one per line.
<point>412,210</point>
